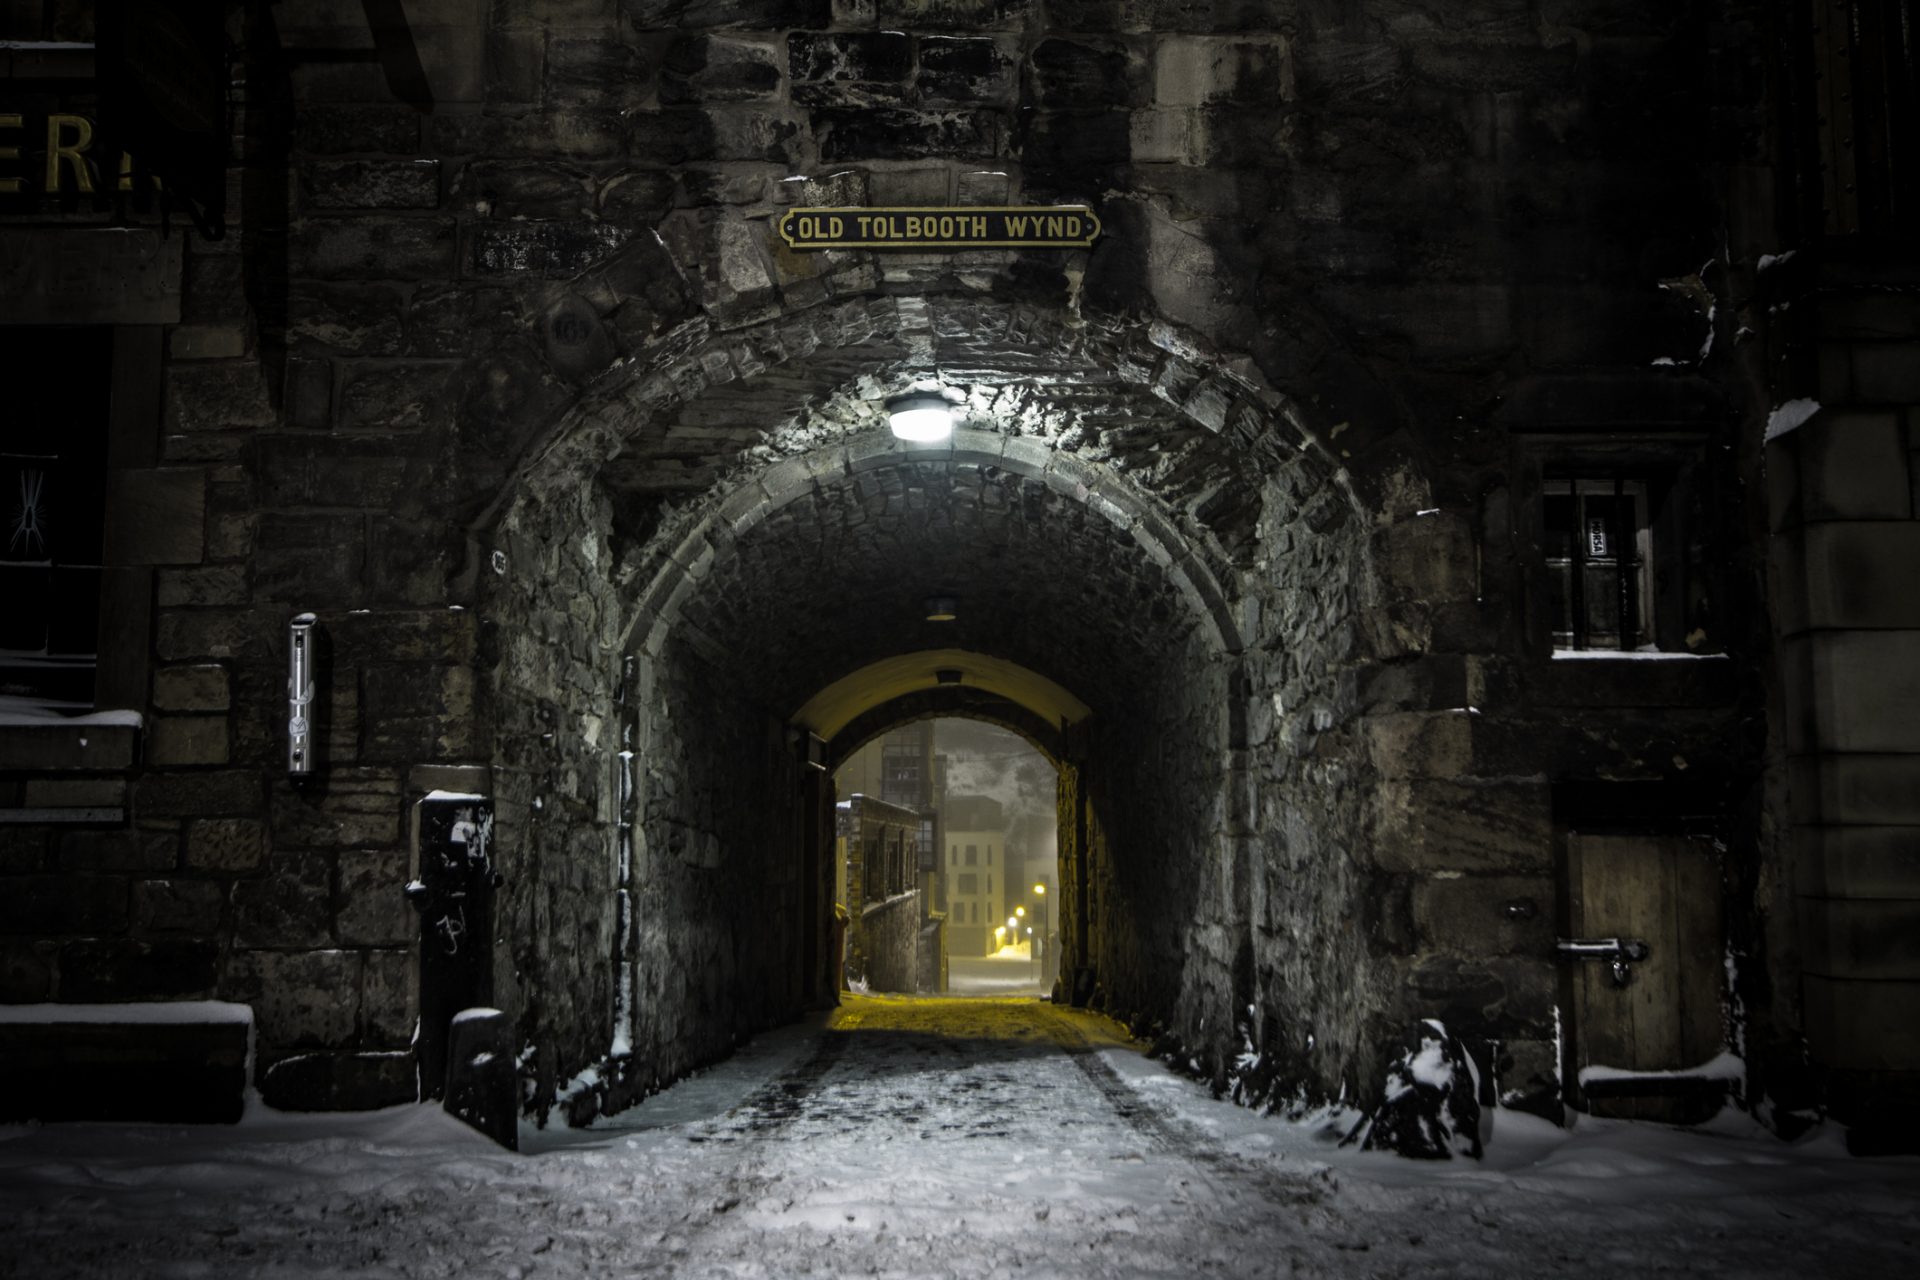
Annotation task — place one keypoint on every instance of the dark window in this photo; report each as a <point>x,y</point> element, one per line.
<point>53,474</point>
<point>969,885</point>
<point>973,855</point>
<point>1595,537</point>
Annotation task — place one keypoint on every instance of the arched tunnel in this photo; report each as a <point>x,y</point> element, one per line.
<point>1156,574</point>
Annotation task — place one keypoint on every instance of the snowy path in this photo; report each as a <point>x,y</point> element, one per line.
<point>936,1137</point>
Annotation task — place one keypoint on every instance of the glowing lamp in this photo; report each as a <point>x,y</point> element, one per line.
<point>920,417</point>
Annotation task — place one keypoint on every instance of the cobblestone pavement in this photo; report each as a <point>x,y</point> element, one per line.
<point>931,1137</point>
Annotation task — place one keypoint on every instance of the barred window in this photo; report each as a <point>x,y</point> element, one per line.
<point>1597,547</point>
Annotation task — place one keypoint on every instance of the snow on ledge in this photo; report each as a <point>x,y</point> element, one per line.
<point>469,1015</point>
<point>1726,1066</point>
<point>453,795</point>
<point>148,1012</point>
<point>15,710</point>
<point>1632,655</point>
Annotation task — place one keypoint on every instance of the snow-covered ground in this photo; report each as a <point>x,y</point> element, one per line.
<point>1009,971</point>
<point>938,1137</point>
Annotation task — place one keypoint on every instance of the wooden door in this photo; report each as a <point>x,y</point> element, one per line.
<point>1647,1050</point>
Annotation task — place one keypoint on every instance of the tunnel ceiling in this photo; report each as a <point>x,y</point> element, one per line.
<point>1107,396</point>
<point>834,576</point>
<point>836,579</point>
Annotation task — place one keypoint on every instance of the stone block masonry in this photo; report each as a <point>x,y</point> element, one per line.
<point>574,458</point>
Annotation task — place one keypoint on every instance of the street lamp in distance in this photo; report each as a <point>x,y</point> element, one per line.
<point>1040,939</point>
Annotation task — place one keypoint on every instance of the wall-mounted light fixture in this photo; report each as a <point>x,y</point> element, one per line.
<point>942,608</point>
<point>300,695</point>
<point>921,417</point>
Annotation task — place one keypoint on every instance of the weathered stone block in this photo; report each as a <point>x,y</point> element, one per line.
<point>95,969</point>
<point>394,397</point>
<point>643,195</point>
<point>156,517</point>
<point>1081,75</point>
<point>316,561</point>
<point>1857,690</point>
<point>1195,72</point>
<point>878,56</point>
<point>1863,1026</point>
<point>24,850</point>
<point>338,1081</point>
<point>1886,372</point>
<point>300,999</point>
<point>373,248</point>
<point>207,342</point>
<point>116,851</point>
<point>1421,744</point>
<point>291,906</point>
<point>373,909</point>
<point>226,396</point>
<point>212,585</point>
<point>1358,72</point>
<point>411,714</point>
<point>388,1006</point>
<point>1467,915</point>
<point>329,129</point>
<point>1432,825</point>
<point>765,15</point>
<point>187,740</point>
<point>710,68</point>
<point>1428,558</point>
<point>577,135</point>
<point>1862,940</point>
<point>991,15</point>
<point>211,633</point>
<point>178,906</point>
<point>353,319</point>
<point>26,971</point>
<point>371,184</point>
<point>553,249</point>
<point>1858,862</point>
<point>63,904</point>
<point>1852,466</point>
<point>906,135</point>
<point>516,65</point>
<point>431,636</point>
<point>349,807</point>
<point>226,844</point>
<point>1864,790</point>
<point>202,687</point>
<point>197,795</point>
<point>534,189</point>
<point>963,70</point>
<point>1857,574</point>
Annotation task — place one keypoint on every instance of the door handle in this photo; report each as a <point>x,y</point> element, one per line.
<point>1619,953</point>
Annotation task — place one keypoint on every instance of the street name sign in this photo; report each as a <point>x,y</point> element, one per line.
<point>1067,226</point>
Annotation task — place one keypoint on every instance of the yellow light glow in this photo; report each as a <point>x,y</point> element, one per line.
<point>1040,889</point>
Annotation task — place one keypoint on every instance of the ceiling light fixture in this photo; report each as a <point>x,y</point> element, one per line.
<point>921,417</point>
<point>942,608</point>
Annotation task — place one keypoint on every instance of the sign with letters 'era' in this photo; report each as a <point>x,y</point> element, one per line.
<point>1067,226</point>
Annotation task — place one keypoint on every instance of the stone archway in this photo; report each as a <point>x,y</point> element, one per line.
<point>714,535</point>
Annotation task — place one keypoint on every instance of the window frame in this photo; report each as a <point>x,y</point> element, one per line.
<point>1667,466</point>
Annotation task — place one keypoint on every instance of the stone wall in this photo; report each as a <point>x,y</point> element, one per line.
<point>892,932</point>
<point>1257,473</point>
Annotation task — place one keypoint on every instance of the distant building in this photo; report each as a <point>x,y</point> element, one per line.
<point>894,935</point>
<point>976,872</point>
